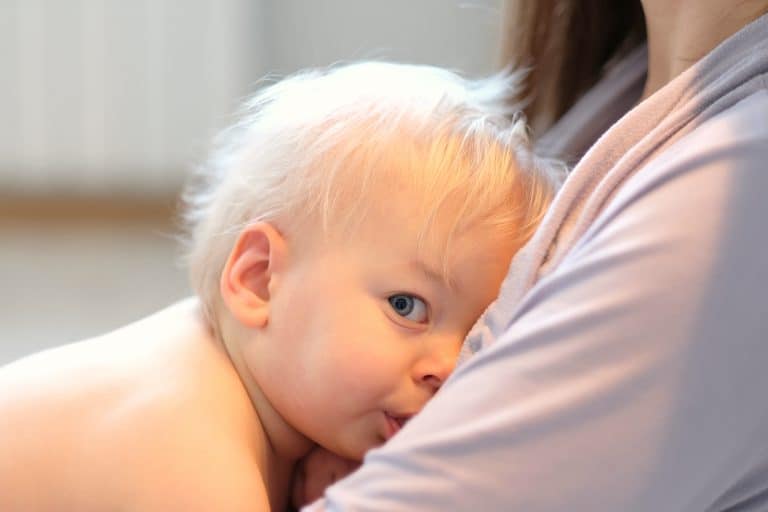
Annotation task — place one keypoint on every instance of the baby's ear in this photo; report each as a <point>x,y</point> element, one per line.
<point>250,273</point>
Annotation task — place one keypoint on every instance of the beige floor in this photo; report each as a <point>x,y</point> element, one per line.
<point>71,273</point>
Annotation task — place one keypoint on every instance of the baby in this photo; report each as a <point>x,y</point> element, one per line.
<point>344,239</point>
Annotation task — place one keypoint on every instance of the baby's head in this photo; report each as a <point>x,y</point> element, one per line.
<point>350,231</point>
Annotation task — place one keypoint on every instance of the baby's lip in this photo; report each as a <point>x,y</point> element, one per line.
<point>396,421</point>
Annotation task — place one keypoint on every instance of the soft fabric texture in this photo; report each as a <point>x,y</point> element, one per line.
<point>623,367</point>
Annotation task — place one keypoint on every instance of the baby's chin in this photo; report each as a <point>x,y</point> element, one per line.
<point>351,440</point>
<point>356,453</point>
<point>354,449</point>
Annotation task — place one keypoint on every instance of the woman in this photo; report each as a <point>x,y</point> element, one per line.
<point>625,358</point>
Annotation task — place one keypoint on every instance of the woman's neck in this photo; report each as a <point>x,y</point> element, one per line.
<point>680,32</point>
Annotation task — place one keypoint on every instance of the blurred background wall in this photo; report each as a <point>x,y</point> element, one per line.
<point>106,104</point>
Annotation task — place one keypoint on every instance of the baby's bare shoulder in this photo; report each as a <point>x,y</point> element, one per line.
<point>146,412</point>
<point>195,481</point>
<point>162,452</point>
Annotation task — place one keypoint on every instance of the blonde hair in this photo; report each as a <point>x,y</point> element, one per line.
<point>566,44</point>
<point>312,147</point>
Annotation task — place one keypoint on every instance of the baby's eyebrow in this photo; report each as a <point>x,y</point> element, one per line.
<point>433,274</point>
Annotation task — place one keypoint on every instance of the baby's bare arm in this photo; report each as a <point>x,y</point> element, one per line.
<point>315,472</point>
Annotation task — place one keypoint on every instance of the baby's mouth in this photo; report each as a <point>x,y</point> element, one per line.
<point>395,422</point>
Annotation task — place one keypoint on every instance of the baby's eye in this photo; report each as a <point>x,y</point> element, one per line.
<point>410,307</point>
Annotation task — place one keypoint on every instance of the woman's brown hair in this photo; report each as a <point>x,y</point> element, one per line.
<point>567,44</point>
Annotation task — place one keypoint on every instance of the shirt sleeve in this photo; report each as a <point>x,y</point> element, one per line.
<point>633,377</point>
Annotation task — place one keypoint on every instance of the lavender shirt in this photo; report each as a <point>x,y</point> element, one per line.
<point>624,366</point>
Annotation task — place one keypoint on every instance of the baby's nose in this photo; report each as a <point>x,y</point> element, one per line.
<point>435,367</point>
<point>433,381</point>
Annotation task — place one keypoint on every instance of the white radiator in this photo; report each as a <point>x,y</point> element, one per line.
<point>118,96</point>
<point>123,96</point>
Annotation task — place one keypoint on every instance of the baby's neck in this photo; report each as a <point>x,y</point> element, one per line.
<point>275,445</point>
<point>284,442</point>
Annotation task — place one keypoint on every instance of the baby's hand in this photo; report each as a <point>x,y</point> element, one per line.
<point>319,469</point>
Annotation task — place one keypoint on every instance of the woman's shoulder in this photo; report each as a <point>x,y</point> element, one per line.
<point>744,119</point>
<point>736,138</point>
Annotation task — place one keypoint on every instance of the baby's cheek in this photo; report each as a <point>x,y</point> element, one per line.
<point>363,349</point>
<point>373,373</point>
